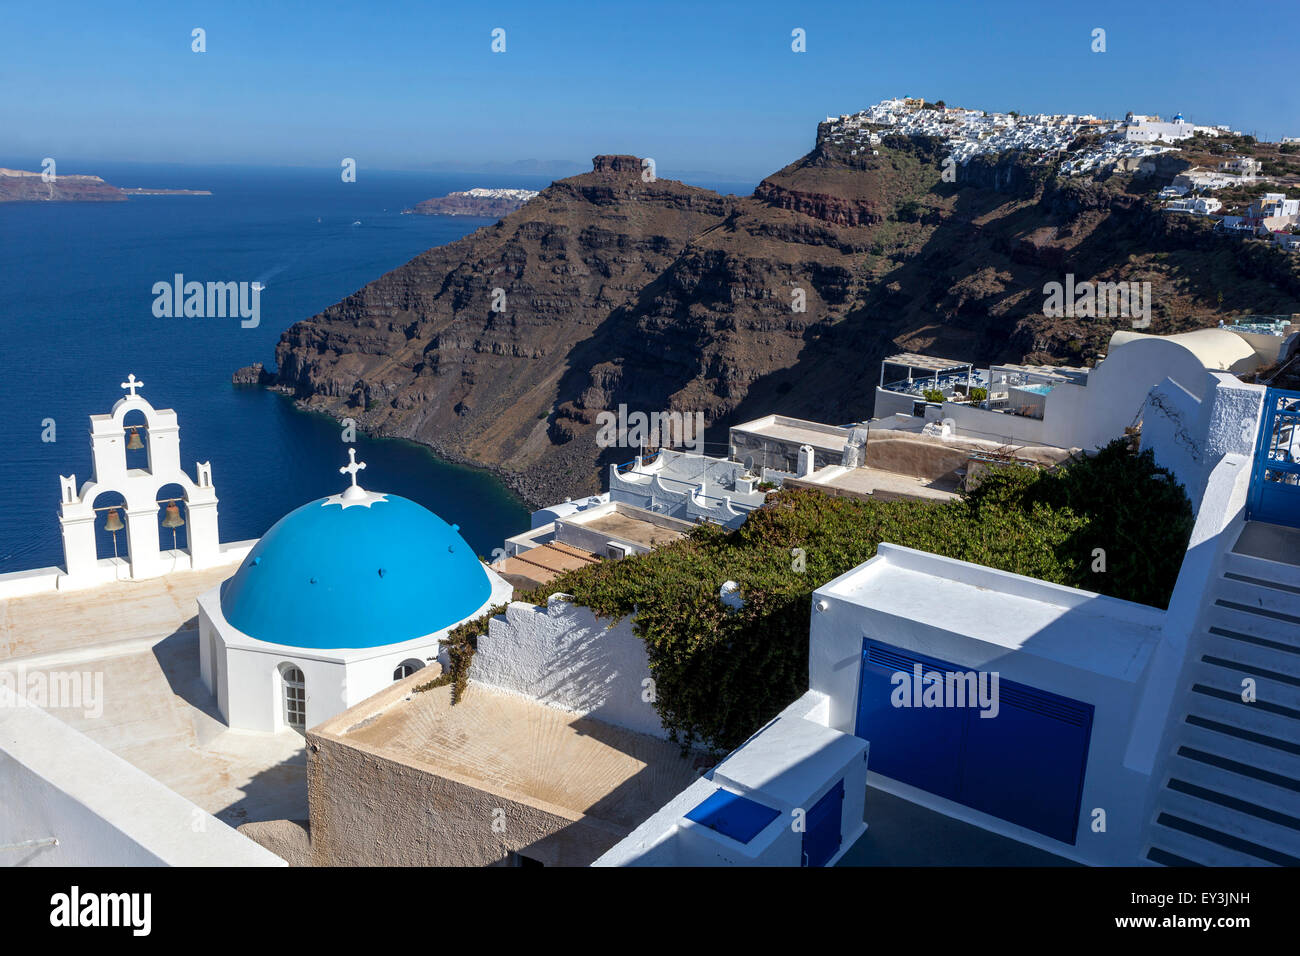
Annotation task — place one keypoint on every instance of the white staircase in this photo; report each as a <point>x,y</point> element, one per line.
<point>1230,791</point>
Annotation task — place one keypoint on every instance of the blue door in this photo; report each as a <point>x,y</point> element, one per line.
<point>919,745</point>
<point>1025,765</point>
<point>822,833</point>
<point>1275,479</point>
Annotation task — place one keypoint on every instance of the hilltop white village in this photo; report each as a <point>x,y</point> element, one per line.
<point>1100,146</point>
<point>279,701</point>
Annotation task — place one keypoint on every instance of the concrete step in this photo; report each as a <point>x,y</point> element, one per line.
<point>1271,602</point>
<point>1253,753</point>
<point>1277,841</point>
<point>1258,651</point>
<point>1237,713</point>
<point>1231,782</point>
<point>1192,847</point>
<point>1262,569</point>
<point>1228,676</point>
<point>1246,621</point>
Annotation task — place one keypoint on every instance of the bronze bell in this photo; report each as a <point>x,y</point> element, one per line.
<point>114,521</point>
<point>134,443</point>
<point>172,519</point>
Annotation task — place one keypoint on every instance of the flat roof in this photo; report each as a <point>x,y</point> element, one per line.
<point>633,527</point>
<point>864,482</point>
<point>518,748</point>
<point>1005,611</point>
<point>798,431</point>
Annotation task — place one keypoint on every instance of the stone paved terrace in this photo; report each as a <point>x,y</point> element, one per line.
<point>142,638</point>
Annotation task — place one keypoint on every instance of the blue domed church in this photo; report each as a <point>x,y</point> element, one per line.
<point>341,597</point>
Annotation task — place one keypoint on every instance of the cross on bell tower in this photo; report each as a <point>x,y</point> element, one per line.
<point>131,384</point>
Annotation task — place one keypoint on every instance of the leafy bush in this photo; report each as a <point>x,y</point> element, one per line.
<point>932,394</point>
<point>720,675</point>
<point>978,394</point>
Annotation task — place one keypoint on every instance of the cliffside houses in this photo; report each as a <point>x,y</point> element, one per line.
<point>1044,137</point>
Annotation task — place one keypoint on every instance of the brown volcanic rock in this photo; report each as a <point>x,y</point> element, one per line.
<point>459,204</point>
<point>665,296</point>
<point>18,185</point>
<point>420,353</point>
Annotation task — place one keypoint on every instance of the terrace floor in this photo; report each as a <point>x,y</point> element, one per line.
<point>140,639</point>
<point>632,528</point>
<point>1272,542</point>
<point>876,484</point>
<point>901,833</point>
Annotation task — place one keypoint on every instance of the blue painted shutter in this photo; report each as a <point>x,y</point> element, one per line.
<point>822,831</point>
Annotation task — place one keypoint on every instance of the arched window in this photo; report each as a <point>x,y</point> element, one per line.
<point>295,697</point>
<point>407,668</point>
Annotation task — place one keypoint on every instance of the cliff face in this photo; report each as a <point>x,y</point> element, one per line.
<point>470,347</point>
<point>662,296</point>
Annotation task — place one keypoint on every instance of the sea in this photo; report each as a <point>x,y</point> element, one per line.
<point>76,318</point>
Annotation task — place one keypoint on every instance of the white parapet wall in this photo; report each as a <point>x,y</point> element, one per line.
<point>1219,520</point>
<point>1190,433</point>
<point>66,801</point>
<point>564,656</point>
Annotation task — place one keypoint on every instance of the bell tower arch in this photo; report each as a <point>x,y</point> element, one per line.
<point>139,489</point>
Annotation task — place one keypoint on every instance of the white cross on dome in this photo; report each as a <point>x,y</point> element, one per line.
<point>354,494</point>
<point>132,385</point>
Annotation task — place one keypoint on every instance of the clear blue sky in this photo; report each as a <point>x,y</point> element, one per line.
<point>698,86</point>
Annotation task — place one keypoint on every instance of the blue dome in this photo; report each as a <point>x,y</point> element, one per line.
<point>327,576</point>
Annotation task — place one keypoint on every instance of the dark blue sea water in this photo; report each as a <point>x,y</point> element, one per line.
<point>76,317</point>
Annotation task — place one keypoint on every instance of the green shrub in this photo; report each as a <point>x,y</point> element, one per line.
<point>720,675</point>
<point>932,394</point>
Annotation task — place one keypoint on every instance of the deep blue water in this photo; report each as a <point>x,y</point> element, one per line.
<point>76,314</point>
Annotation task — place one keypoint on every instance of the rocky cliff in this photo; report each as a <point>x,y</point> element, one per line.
<point>502,348</point>
<point>19,185</point>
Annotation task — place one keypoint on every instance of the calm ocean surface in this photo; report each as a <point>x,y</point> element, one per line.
<point>76,317</point>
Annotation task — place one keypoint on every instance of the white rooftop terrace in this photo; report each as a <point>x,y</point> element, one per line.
<point>141,638</point>
<point>1000,612</point>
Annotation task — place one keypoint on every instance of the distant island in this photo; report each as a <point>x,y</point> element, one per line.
<point>488,203</point>
<point>21,185</point>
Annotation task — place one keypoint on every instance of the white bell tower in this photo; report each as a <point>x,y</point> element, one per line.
<point>139,489</point>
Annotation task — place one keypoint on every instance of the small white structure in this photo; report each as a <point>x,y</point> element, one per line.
<point>341,597</point>
<point>139,488</point>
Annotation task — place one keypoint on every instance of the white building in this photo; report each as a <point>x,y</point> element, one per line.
<point>341,597</point>
<point>1099,730</point>
<point>1197,206</point>
<point>1149,129</point>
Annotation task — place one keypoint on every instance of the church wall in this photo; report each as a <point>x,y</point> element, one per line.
<point>368,810</point>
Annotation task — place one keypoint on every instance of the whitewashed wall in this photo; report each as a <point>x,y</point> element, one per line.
<point>565,656</point>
